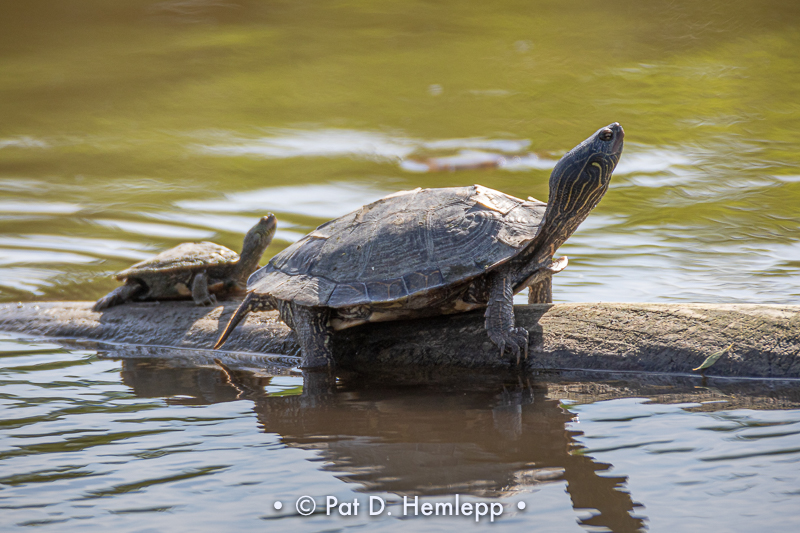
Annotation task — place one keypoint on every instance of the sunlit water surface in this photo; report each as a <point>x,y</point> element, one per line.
<point>129,127</point>
<point>90,442</point>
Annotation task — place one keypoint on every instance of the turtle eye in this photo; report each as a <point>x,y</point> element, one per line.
<point>606,134</point>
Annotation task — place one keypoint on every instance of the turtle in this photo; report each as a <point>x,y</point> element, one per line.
<point>430,252</point>
<point>196,270</point>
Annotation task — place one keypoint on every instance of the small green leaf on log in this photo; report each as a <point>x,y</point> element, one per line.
<point>713,358</point>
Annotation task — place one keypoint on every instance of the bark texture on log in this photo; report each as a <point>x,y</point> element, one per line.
<point>765,339</point>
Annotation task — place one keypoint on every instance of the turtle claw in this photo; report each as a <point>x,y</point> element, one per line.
<point>211,300</point>
<point>519,343</point>
<point>516,339</point>
<point>502,346</point>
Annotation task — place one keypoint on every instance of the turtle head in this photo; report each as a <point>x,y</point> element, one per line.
<point>255,242</point>
<point>578,182</point>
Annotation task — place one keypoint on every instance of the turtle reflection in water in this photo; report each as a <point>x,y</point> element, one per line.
<point>432,251</point>
<point>196,270</point>
<point>482,435</point>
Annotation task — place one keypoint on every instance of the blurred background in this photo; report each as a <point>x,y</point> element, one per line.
<point>129,127</point>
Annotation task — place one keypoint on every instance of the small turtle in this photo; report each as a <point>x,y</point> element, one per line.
<point>196,270</point>
<point>432,251</point>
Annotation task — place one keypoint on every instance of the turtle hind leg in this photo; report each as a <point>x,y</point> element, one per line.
<point>200,293</point>
<point>500,318</point>
<point>120,295</point>
<point>312,329</point>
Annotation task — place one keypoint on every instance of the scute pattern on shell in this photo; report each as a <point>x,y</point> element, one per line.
<point>404,244</point>
<point>186,256</point>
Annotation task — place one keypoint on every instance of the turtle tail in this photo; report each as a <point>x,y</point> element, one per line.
<point>249,303</point>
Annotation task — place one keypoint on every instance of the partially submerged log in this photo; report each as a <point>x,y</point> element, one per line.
<point>764,339</point>
<point>166,372</point>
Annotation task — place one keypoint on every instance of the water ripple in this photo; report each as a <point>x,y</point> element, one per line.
<point>288,143</point>
<point>322,201</point>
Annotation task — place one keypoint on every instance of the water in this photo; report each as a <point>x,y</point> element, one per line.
<point>93,442</point>
<point>130,127</point>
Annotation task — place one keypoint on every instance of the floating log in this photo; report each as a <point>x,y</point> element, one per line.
<point>764,340</point>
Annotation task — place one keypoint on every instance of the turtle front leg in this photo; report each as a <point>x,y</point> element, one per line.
<point>312,329</point>
<point>500,318</point>
<point>200,293</point>
<point>540,290</point>
<point>120,295</point>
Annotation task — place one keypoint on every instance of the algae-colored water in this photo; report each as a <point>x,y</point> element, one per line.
<point>129,127</point>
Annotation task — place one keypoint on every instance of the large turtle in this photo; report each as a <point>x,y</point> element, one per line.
<point>196,270</point>
<point>432,251</point>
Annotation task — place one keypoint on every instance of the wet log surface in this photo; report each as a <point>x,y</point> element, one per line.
<point>672,338</point>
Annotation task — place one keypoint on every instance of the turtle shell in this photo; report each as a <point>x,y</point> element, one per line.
<point>184,257</point>
<point>405,244</point>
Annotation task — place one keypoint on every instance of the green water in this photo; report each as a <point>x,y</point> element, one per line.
<point>128,127</point>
